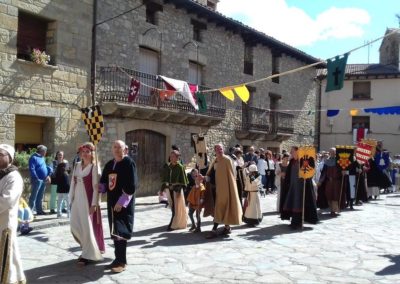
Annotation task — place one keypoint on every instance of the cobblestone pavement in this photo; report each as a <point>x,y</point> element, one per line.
<point>360,246</point>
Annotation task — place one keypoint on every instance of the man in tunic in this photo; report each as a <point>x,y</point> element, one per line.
<point>227,208</point>
<point>119,180</point>
<point>292,195</point>
<point>11,186</point>
<point>174,180</point>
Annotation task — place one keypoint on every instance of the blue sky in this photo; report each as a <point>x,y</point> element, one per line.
<point>321,28</point>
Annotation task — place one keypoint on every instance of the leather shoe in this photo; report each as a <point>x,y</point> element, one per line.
<point>41,213</point>
<point>118,268</point>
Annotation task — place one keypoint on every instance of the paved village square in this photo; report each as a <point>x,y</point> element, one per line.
<point>360,246</point>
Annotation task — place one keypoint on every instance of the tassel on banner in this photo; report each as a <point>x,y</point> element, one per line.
<point>228,93</point>
<point>243,93</point>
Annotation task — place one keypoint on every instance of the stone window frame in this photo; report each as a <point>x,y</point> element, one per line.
<point>361,90</point>
<point>276,61</point>
<point>248,59</point>
<point>152,10</point>
<point>198,28</point>
<point>46,28</point>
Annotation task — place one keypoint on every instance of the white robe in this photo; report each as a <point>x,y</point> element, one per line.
<point>81,224</point>
<point>11,187</point>
<point>253,212</point>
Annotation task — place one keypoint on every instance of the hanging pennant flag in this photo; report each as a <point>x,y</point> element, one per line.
<point>344,156</point>
<point>243,93</point>
<point>363,152</point>
<point>353,112</point>
<point>332,112</point>
<point>94,123</point>
<point>133,90</point>
<point>228,93</point>
<point>336,71</point>
<point>307,162</point>
<point>182,87</point>
<point>201,101</point>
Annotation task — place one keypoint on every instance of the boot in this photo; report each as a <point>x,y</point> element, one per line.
<point>351,204</point>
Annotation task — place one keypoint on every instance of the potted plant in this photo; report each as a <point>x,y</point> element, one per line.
<point>40,57</point>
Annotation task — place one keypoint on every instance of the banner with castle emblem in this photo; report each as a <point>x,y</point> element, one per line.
<point>363,152</point>
<point>307,162</point>
<point>94,123</point>
<point>344,156</point>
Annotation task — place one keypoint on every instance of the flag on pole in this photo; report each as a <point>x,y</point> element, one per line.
<point>94,123</point>
<point>307,162</point>
<point>344,156</point>
<point>363,152</point>
<point>336,71</point>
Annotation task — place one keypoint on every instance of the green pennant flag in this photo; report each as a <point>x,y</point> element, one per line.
<point>201,101</point>
<point>336,72</point>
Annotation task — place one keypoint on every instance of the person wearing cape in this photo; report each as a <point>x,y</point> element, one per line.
<point>292,195</point>
<point>174,180</point>
<point>119,181</point>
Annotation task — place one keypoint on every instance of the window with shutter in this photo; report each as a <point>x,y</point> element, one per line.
<point>195,71</point>
<point>362,90</point>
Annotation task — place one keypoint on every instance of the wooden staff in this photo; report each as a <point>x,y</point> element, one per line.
<point>340,195</point>
<point>304,201</point>
<point>98,209</point>
<point>357,183</point>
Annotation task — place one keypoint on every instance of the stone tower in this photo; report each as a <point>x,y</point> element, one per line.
<point>389,51</point>
<point>209,3</point>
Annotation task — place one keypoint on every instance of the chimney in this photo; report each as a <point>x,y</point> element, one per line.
<point>212,4</point>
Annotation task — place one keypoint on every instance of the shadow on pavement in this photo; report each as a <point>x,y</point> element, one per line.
<point>393,196</point>
<point>269,233</point>
<point>391,269</point>
<point>67,272</point>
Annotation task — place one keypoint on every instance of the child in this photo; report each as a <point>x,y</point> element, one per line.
<point>25,216</point>
<point>63,184</point>
<point>195,202</point>
<point>252,213</point>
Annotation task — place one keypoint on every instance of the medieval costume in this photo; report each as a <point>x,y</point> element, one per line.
<point>174,179</point>
<point>279,179</point>
<point>330,187</point>
<point>119,180</point>
<point>376,179</point>
<point>11,187</point>
<point>227,208</point>
<point>252,212</point>
<point>292,197</point>
<point>86,229</point>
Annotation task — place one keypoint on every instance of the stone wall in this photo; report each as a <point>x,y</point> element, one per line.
<point>55,91</point>
<point>389,51</point>
<point>221,53</point>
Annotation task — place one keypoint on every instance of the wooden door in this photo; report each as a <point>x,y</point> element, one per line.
<point>147,148</point>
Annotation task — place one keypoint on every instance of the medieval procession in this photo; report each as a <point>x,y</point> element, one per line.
<point>193,141</point>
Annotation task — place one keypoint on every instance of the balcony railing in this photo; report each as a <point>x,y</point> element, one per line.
<point>266,121</point>
<point>114,87</point>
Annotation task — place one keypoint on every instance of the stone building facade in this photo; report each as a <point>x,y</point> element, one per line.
<point>175,38</point>
<point>40,103</point>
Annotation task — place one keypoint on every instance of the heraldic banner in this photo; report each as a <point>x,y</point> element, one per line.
<point>307,162</point>
<point>94,123</point>
<point>363,152</point>
<point>344,156</point>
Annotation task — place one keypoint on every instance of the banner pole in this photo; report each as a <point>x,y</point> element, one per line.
<point>340,195</point>
<point>304,198</point>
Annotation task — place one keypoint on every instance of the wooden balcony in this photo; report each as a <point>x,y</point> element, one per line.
<point>265,125</point>
<point>113,87</point>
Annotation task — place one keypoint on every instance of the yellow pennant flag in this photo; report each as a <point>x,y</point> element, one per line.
<point>228,93</point>
<point>243,93</point>
<point>353,112</point>
<point>307,162</point>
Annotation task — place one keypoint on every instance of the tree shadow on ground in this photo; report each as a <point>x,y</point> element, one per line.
<point>268,233</point>
<point>67,272</point>
<point>183,238</point>
<point>391,269</point>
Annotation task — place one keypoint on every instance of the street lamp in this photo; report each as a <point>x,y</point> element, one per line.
<point>161,38</point>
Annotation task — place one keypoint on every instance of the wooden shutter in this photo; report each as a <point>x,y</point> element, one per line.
<point>195,71</point>
<point>148,62</point>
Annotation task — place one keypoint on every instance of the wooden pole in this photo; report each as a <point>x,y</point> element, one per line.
<point>304,198</point>
<point>98,209</point>
<point>340,195</point>
<point>357,183</point>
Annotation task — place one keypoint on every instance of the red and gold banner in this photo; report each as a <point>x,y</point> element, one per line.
<point>363,152</point>
<point>307,162</point>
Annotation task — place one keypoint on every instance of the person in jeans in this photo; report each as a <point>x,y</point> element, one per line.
<point>63,184</point>
<point>40,174</point>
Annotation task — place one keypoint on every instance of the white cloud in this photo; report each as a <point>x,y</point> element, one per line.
<point>293,25</point>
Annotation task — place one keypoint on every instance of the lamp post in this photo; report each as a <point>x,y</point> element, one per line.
<point>197,58</point>
<point>161,38</point>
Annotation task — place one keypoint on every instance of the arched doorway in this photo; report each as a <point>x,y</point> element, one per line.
<point>147,148</point>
